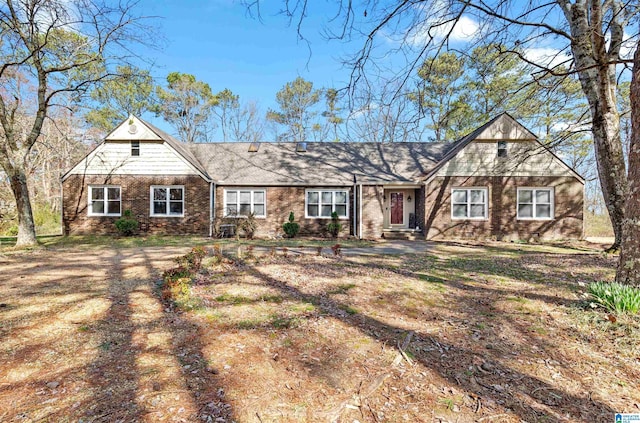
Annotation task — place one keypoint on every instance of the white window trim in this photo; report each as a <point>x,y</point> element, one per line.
<point>333,202</point>
<point>135,148</point>
<point>505,149</point>
<point>552,196</point>
<point>237,190</point>
<point>486,202</point>
<point>104,188</point>
<point>167,187</point>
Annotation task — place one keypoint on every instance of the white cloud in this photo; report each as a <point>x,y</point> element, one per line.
<point>628,48</point>
<point>546,56</point>
<point>464,29</point>
<point>368,108</point>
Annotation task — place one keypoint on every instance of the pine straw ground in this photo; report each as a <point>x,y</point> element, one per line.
<point>463,333</point>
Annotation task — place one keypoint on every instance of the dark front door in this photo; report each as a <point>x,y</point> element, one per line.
<point>397,208</point>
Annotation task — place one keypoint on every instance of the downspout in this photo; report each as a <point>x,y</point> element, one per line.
<point>360,212</point>
<point>62,232</point>
<point>212,204</point>
<point>355,206</point>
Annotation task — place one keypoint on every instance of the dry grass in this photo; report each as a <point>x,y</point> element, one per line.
<point>597,225</point>
<point>496,332</point>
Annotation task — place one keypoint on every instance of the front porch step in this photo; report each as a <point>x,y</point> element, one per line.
<point>407,235</point>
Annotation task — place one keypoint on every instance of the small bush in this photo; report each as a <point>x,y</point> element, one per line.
<point>193,259</point>
<point>127,225</point>
<point>616,297</point>
<point>334,227</point>
<point>249,225</point>
<point>291,228</point>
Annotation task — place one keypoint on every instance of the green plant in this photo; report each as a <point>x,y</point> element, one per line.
<point>249,225</point>
<point>127,225</point>
<point>334,227</point>
<point>616,297</point>
<point>291,228</point>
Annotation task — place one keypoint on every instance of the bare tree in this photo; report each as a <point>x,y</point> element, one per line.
<point>589,38</point>
<point>629,266</point>
<point>60,49</point>
<point>246,123</point>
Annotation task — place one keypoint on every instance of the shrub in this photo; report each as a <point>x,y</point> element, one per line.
<point>249,225</point>
<point>334,227</point>
<point>127,225</point>
<point>291,228</point>
<point>616,297</point>
<point>193,259</point>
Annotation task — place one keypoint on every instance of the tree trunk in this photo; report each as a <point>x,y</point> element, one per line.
<point>597,73</point>
<point>611,167</point>
<point>629,266</point>
<point>26,225</point>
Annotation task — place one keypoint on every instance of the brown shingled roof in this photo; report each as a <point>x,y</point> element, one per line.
<point>322,164</point>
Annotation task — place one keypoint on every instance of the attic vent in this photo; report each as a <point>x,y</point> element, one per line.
<point>253,147</point>
<point>301,147</point>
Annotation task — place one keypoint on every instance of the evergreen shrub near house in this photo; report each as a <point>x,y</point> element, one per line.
<point>291,228</point>
<point>616,297</point>
<point>127,225</point>
<point>334,227</point>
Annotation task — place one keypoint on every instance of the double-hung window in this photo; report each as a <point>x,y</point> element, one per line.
<point>502,149</point>
<point>535,203</point>
<point>104,200</point>
<point>167,201</point>
<point>242,202</point>
<point>321,203</point>
<point>469,203</point>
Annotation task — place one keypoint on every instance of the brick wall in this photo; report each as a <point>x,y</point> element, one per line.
<point>281,201</point>
<point>502,223</point>
<point>135,193</point>
<point>372,211</point>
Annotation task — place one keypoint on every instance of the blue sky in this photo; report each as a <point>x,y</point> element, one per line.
<point>220,44</point>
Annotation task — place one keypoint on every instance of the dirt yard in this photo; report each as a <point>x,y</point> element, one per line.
<point>461,333</point>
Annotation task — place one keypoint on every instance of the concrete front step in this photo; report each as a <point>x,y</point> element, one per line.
<point>403,235</point>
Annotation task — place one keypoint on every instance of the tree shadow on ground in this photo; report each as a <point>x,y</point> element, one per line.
<point>528,397</point>
<point>107,380</point>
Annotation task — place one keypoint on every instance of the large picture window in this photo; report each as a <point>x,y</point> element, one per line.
<point>321,203</point>
<point>535,203</point>
<point>469,203</point>
<point>167,201</point>
<point>241,202</point>
<point>104,200</point>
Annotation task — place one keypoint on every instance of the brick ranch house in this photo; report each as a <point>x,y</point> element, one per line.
<point>497,182</point>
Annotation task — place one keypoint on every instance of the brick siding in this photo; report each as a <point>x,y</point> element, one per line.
<point>502,223</point>
<point>135,193</point>
<point>372,211</point>
<point>280,202</point>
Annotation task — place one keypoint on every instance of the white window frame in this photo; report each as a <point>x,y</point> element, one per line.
<point>468,203</point>
<point>552,196</point>
<point>135,146</point>
<point>333,192</point>
<point>167,188</point>
<point>105,200</point>
<point>253,203</point>
<point>502,146</point>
